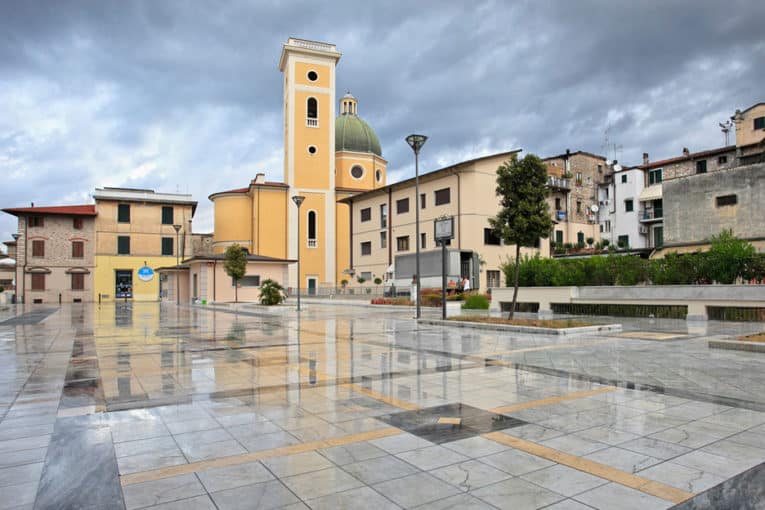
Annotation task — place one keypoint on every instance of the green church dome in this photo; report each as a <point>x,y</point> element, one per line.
<point>352,133</point>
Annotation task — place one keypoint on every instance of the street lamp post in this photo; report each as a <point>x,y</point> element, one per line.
<point>177,264</point>
<point>416,142</point>
<point>298,199</point>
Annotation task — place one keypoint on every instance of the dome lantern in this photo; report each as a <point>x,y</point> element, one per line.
<point>351,132</point>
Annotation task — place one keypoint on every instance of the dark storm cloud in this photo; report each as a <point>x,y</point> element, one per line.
<point>186,96</point>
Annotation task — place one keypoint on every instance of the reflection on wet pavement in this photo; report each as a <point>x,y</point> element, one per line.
<point>135,405</point>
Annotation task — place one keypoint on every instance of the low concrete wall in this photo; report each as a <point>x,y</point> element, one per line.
<point>696,297</point>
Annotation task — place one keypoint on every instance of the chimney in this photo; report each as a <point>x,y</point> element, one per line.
<point>260,178</point>
<point>645,158</point>
<point>686,152</point>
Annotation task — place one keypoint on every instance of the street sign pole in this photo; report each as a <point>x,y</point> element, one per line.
<point>443,280</point>
<point>444,231</point>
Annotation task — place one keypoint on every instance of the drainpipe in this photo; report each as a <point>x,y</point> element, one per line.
<point>390,227</point>
<point>215,267</point>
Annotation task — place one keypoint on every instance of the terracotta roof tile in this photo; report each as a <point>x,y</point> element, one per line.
<point>64,210</point>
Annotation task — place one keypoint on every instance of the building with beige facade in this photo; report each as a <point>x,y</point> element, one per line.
<point>55,253</point>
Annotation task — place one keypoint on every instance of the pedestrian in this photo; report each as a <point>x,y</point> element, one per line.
<point>465,284</point>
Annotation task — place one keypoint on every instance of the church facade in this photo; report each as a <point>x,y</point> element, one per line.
<point>327,157</point>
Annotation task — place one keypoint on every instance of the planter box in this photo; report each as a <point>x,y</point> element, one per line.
<point>526,329</point>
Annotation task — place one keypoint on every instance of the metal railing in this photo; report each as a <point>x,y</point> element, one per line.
<point>312,243</point>
<point>558,182</point>
<point>311,122</point>
<point>656,213</point>
<point>361,292</point>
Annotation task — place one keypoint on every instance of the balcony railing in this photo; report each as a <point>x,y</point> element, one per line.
<point>311,122</point>
<point>655,214</point>
<point>558,182</point>
<point>312,243</point>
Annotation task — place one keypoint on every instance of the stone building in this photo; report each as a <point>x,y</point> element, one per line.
<point>574,192</point>
<point>55,253</point>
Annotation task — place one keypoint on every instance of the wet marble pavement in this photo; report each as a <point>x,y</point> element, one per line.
<point>154,406</point>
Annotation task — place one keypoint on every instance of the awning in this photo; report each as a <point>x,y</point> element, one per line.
<point>651,193</point>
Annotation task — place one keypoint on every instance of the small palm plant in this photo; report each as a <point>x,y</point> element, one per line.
<point>271,293</point>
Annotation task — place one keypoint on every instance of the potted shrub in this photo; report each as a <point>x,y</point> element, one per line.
<point>271,293</point>
<point>590,241</point>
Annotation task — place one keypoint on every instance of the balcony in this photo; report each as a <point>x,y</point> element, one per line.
<point>651,215</point>
<point>558,183</point>
<point>312,243</point>
<point>311,122</point>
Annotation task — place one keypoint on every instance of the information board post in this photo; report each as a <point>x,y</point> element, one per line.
<point>444,231</point>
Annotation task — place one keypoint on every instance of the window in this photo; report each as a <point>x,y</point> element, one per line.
<point>623,241</point>
<point>443,196</point>
<point>366,248</point>
<point>167,246</point>
<point>423,241</point>
<point>402,206</point>
<point>580,237</point>
<point>624,178</point>
<point>722,160</point>
<point>312,149</point>
<point>167,215</point>
<point>312,229</point>
<point>77,223</point>
<point>123,245</point>
<point>366,214</point>
<point>557,204</point>
<point>250,280</point>
<point>312,108</point>
<point>312,76</point>
<point>607,226</point>
<point>759,123</point>
<point>38,281</point>
<point>366,275</point>
<point>578,206</point>
<point>629,205</point>
<point>35,221</point>
<point>558,237</point>
<point>579,178</point>
<point>383,239</point>
<point>724,200</point>
<point>38,248</point>
<point>654,176</point>
<point>78,249</point>
<point>600,169</point>
<point>423,201</point>
<point>402,243</point>
<point>492,278</point>
<point>489,237</point>
<point>78,281</point>
<point>357,171</point>
<point>383,215</point>
<point>123,213</point>
<point>701,166</point>
<point>378,175</point>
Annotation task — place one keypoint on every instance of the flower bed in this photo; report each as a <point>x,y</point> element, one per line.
<point>536,323</point>
<point>392,301</point>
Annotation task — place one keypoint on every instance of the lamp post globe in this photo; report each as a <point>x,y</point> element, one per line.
<point>416,142</point>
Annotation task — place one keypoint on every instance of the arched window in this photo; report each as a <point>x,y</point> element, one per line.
<point>312,108</point>
<point>312,229</point>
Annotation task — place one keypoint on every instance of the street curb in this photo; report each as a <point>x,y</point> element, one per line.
<point>525,329</point>
<point>737,345</point>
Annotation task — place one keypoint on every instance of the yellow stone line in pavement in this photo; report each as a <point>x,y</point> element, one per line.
<point>552,400</point>
<point>235,460</point>
<point>657,489</point>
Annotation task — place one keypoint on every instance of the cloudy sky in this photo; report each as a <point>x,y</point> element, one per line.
<point>186,96</point>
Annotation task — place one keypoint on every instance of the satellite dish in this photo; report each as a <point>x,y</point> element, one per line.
<point>608,162</point>
<point>617,167</point>
<point>594,208</point>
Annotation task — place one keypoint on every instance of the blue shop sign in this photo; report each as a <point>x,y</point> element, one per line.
<point>145,274</point>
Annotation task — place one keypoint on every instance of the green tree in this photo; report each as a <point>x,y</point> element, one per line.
<point>271,293</point>
<point>729,258</point>
<point>235,264</point>
<point>524,216</point>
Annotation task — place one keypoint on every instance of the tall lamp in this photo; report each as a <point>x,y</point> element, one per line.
<point>416,142</point>
<point>177,264</point>
<point>16,270</point>
<point>298,199</point>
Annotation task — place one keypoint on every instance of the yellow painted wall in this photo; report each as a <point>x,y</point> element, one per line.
<point>342,239</point>
<point>270,222</point>
<point>369,162</point>
<point>301,74</point>
<point>106,265</point>
<point>232,221</point>
<point>145,228</point>
<point>312,260</point>
<point>312,170</point>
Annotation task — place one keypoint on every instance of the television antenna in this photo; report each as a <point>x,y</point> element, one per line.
<point>725,128</point>
<point>614,148</point>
